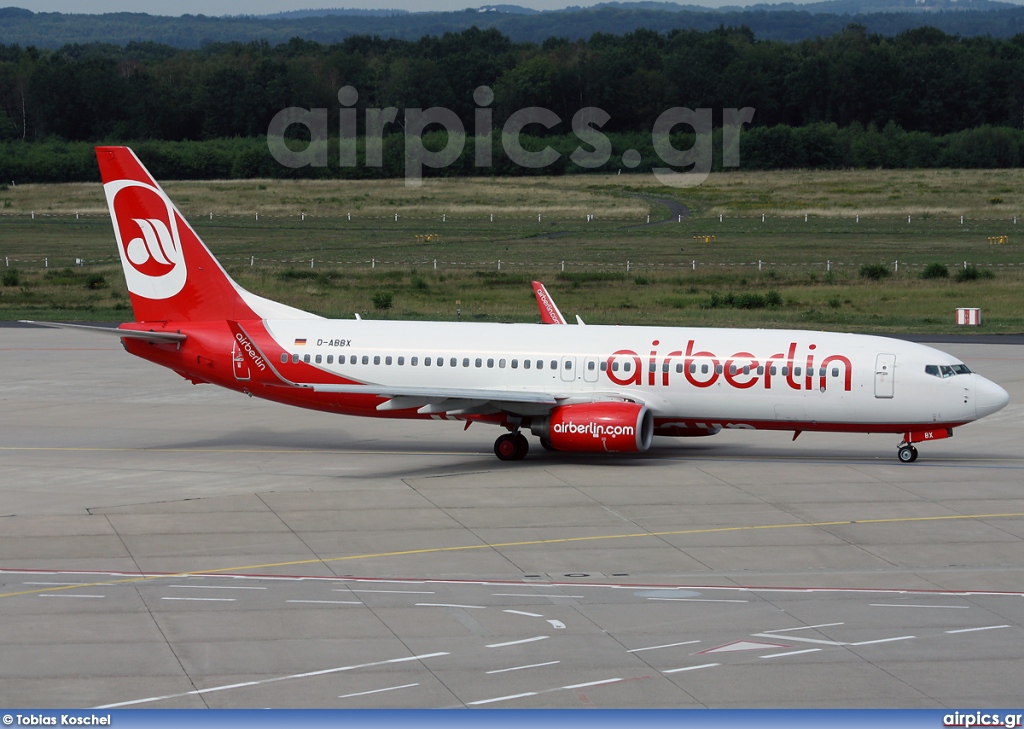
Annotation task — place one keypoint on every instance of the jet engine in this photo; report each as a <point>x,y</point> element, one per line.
<point>605,427</point>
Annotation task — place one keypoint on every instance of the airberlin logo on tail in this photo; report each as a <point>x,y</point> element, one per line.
<point>147,234</point>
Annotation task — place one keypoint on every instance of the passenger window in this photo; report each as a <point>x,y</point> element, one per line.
<point>330,359</point>
<point>284,358</point>
<point>718,369</point>
<point>479,362</point>
<point>540,364</point>
<point>352,359</point>
<point>627,366</point>
<point>746,369</point>
<point>305,358</point>
<point>773,370</point>
<point>465,361</point>
<point>414,361</point>
<point>490,363</point>
<point>366,359</point>
<point>693,368</point>
<point>796,371</point>
<point>835,372</point>
<point>426,361</point>
<point>703,369</point>
<point>615,366</point>
<point>653,367</point>
<point>785,371</point>
<point>401,361</point>
<point>568,364</point>
<point>554,364</point>
<point>501,364</point>
<point>760,370</point>
<point>376,359</point>
<point>526,364</point>
<point>295,359</point>
<point>679,368</point>
<point>453,362</point>
<point>387,360</point>
<point>515,364</point>
<point>604,366</point>
<point>590,366</point>
<point>821,372</point>
<point>319,358</point>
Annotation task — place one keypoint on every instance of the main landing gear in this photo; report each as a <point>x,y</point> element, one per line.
<point>511,446</point>
<point>907,453</point>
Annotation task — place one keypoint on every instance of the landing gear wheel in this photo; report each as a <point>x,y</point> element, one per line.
<point>907,453</point>
<point>511,447</point>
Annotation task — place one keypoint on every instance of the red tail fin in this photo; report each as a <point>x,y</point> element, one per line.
<point>171,274</point>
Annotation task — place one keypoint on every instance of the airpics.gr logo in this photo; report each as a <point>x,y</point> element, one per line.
<point>148,239</point>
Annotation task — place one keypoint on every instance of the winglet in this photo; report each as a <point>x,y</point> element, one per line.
<point>549,313</point>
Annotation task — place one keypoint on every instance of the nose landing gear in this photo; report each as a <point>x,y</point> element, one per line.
<point>511,446</point>
<point>907,453</point>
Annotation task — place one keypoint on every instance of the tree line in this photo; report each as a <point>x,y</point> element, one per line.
<point>851,99</point>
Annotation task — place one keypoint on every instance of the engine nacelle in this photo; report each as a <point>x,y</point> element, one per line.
<point>605,427</point>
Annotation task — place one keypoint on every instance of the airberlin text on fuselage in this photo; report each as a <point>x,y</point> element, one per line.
<point>741,370</point>
<point>251,351</point>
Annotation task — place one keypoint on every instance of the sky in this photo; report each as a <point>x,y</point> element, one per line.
<point>259,7</point>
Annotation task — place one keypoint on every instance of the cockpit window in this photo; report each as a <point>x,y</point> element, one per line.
<point>944,371</point>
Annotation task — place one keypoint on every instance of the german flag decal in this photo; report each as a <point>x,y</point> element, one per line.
<point>300,342</point>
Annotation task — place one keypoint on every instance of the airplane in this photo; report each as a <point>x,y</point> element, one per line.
<point>578,389</point>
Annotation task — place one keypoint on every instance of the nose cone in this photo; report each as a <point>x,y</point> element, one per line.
<point>989,397</point>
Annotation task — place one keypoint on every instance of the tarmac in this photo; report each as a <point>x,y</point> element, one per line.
<point>170,545</point>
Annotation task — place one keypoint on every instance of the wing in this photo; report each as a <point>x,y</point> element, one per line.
<point>467,401</point>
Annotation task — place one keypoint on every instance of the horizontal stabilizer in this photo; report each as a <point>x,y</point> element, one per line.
<point>176,337</point>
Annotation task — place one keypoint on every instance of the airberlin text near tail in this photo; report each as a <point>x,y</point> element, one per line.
<point>576,388</point>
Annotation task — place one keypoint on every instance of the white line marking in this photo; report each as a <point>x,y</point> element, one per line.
<point>390,592</point>
<point>445,604</point>
<point>792,653</point>
<point>520,668</point>
<point>518,642</point>
<point>501,698</point>
<point>328,602</point>
<point>310,674</point>
<point>973,630</point>
<point>57,584</point>
<point>883,640</point>
<point>667,645</point>
<point>805,627</point>
<point>531,594</point>
<point>71,595</point>
<point>557,624</point>
<point>520,612</point>
<point>692,668</point>
<point>691,599</point>
<point>591,683</point>
<point>798,639</point>
<point>946,607</point>
<point>378,691</point>
<point>216,587</point>
<point>202,599</point>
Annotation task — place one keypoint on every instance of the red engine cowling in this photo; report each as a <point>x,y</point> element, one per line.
<point>606,427</point>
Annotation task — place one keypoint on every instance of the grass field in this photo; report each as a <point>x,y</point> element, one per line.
<point>441,257</point>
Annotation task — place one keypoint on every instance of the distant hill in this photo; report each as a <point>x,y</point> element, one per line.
<point>768,22</point>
